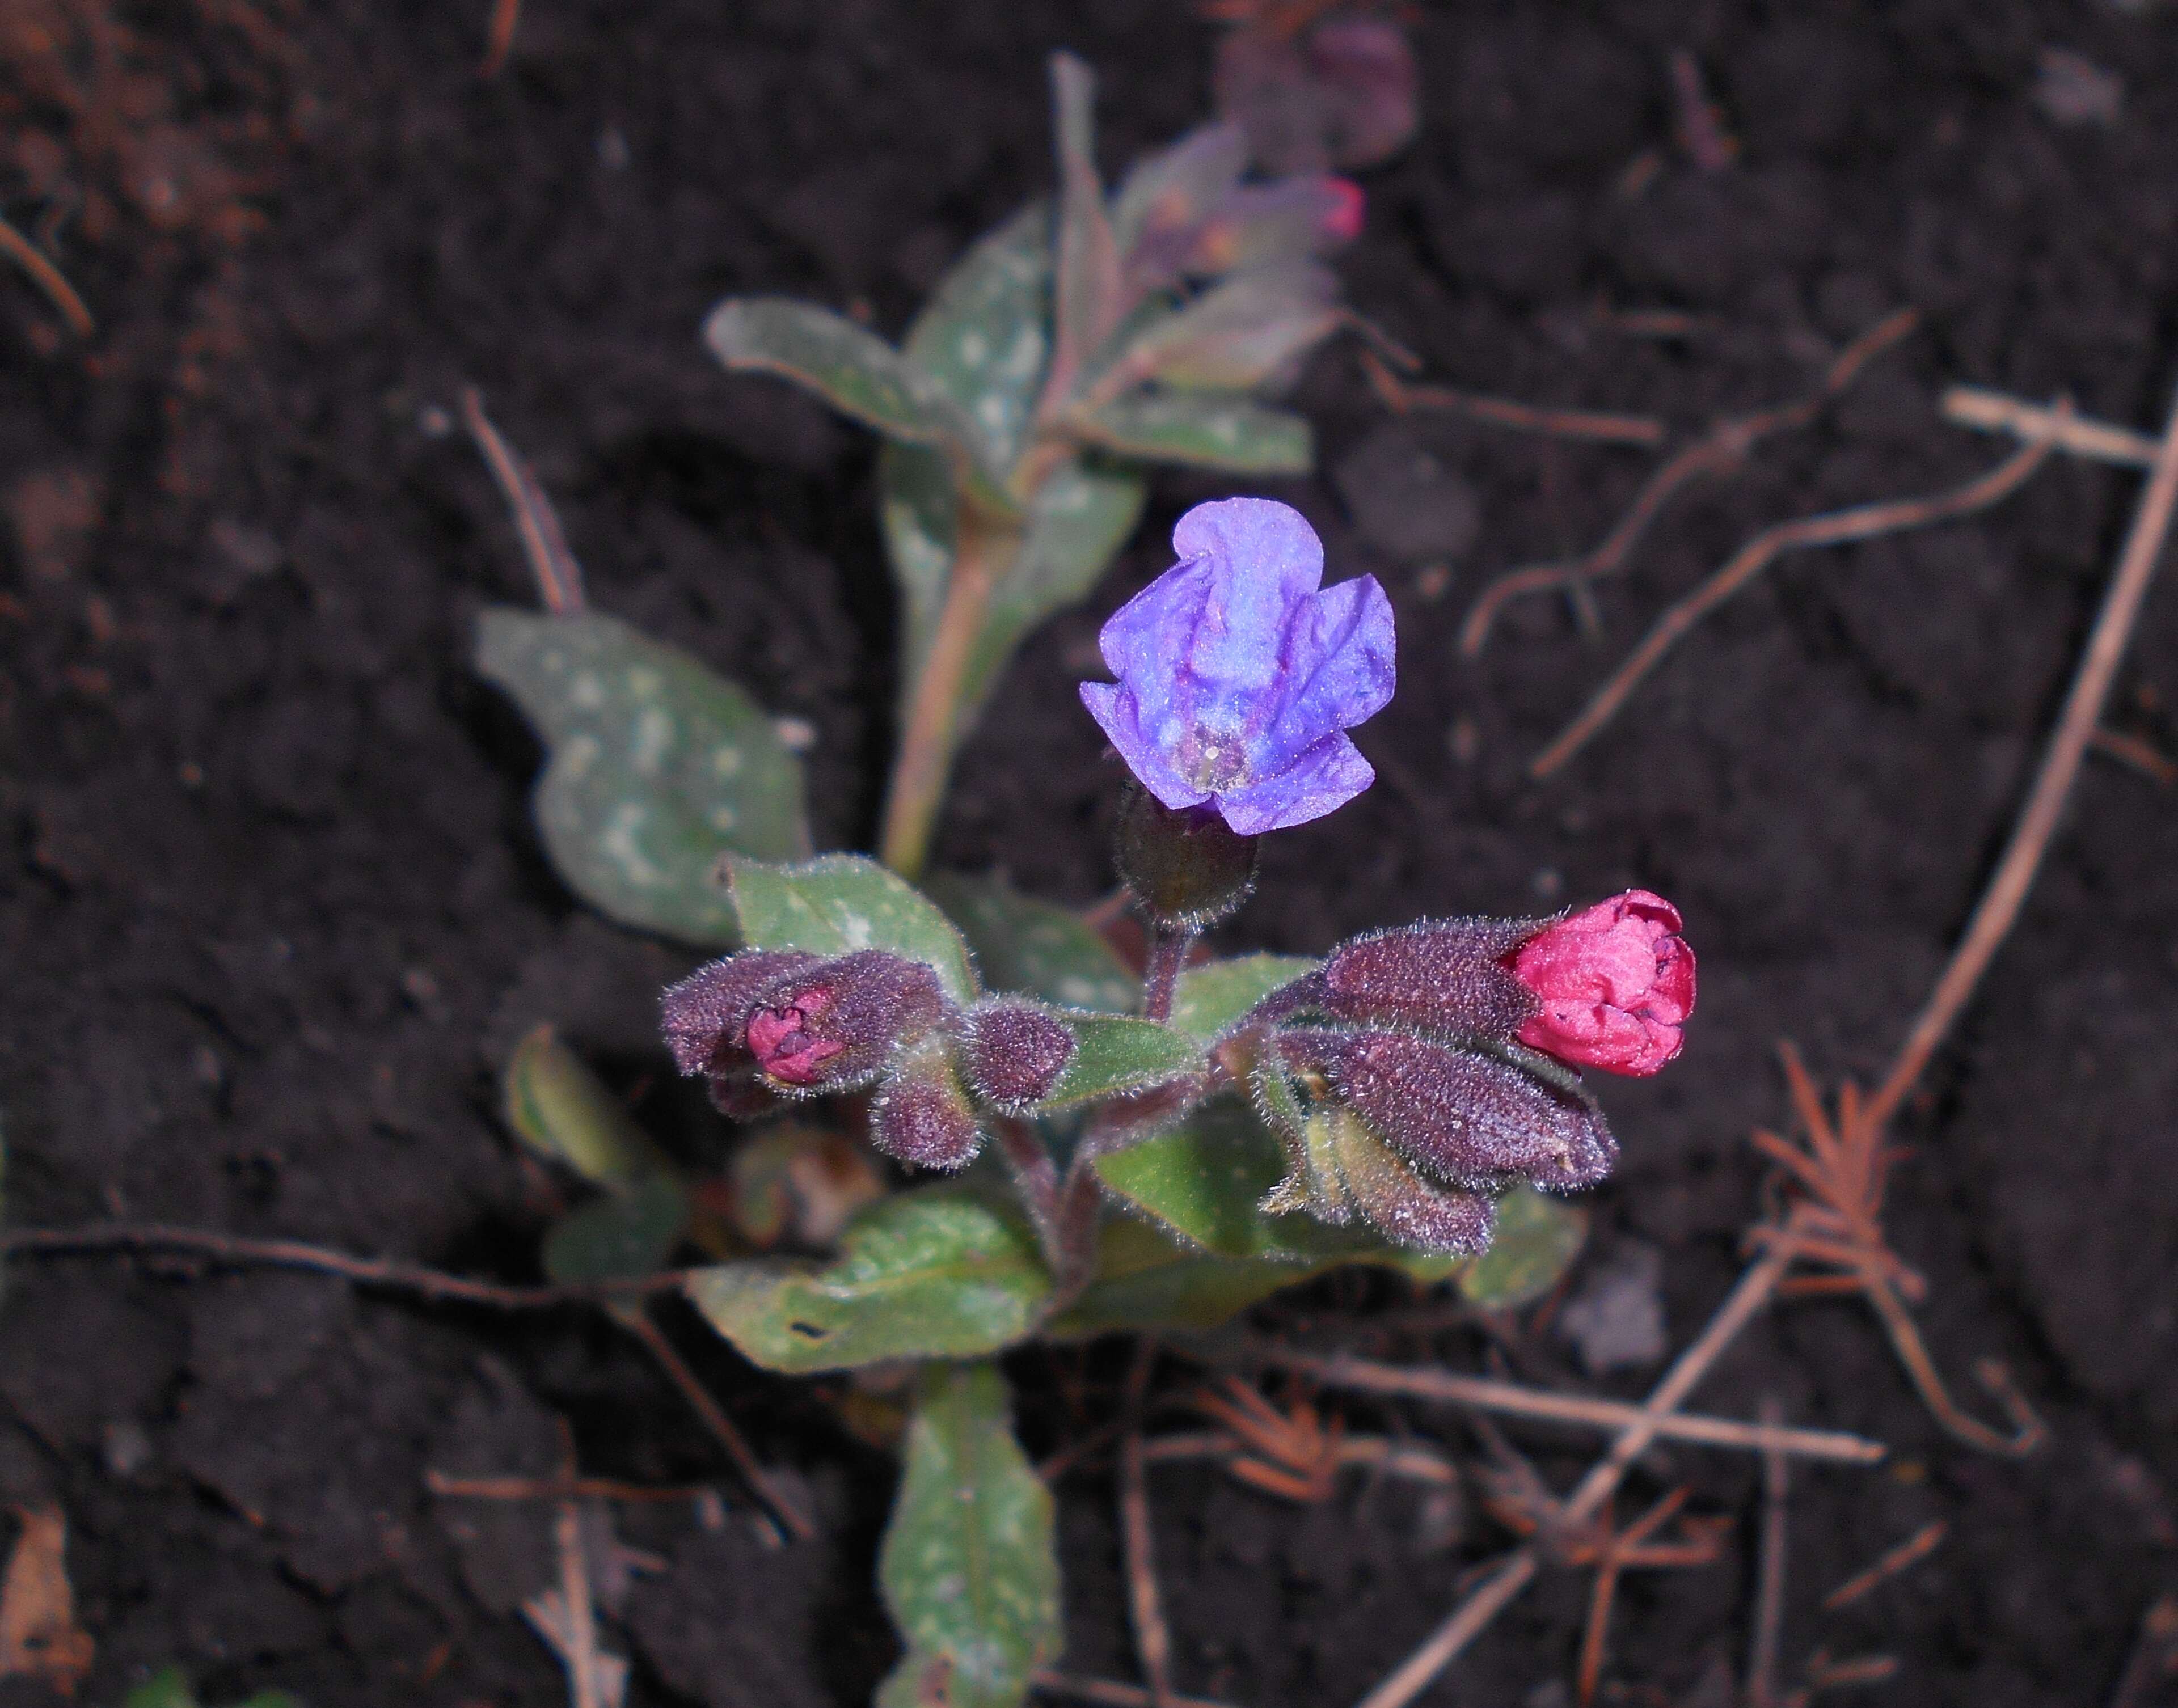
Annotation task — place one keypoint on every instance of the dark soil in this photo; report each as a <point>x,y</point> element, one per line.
<point>273,911</point>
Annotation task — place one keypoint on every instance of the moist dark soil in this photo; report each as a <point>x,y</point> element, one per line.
<point>272,910</point>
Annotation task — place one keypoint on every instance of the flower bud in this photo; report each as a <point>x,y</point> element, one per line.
<point>1468,1118</point>
<point>1399,1202</point>
<point>1442,974</point>
<point>1613,982</point>
<point>922,1114</point>
<point>1187,868</point>
<point>834,1025</point>
<point>1014,1052</point>
<point>705,1015</point>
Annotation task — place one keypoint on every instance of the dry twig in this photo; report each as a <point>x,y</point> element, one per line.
<point>1292,1453</point>
<point>1770,1581</point>
<point>1831,529</point>
<point>506,14</point>
<point>1831,1213</point>
<point>2048,423</point>
<point>1597,1542</point>
<point>1110,1693</point>
<point>1399,397</point>
<point>1511,1573</point>
<point>559,576</point>
<point>2142,755</point>
<point>1408,1460</point>
<point>1146,1611</point>
<point>49,279</point>
<point>1486,1393</point>
<point>293,1254</point>
<point>2154,1659</point>
<point>557,1487</point>
<point>1915,1548</point>
<point>1721,451</point>
<point>2076,723</point>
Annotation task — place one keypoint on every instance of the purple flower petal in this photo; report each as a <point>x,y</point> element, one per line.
<point>1340,658</point>
<point>1115,710</point>
<point>1238,670</point>
<point>1321,780</point>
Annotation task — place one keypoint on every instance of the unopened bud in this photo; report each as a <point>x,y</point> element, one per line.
<point>1395,1198</point>
<point>1441,974</point>
<point>1612,984</point>
<point>922,1114</point>
<point>1189,868</point>
<point>1471,1119</point>
<point>834,1025</point>
<point>1015,1052</point>
<point>705,1015</point>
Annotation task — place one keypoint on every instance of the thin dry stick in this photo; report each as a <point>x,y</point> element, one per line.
<point>2142,756</point>
<point>1153,1637</point>
<point>505,16</point>
<point>1340,1370</point>
<point>1405,1459</point>
<point>1832,527</point>
<point>637,1321</point>
<point>1915,1548</point>
<point>1720,451</point>
<point>293,1254</point>
<point>1110,1693</point>
<point>559,576</point>
<point>1769,1582</point>
<point>2077,724</point>
<point>575,1588</point>
<point>557,1488</point>
<point>49,279</point>
<point>2155,1658</point>
<point>1514,1570</point>
<point>2048,423</point>
<point>1399,398</point>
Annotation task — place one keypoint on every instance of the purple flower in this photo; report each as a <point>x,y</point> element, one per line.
<point>1239,671</point>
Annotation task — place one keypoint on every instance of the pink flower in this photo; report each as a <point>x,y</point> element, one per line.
<point>782,1042</point>
<point>1614,980</point>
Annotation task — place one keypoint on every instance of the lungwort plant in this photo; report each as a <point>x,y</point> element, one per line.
<point>1079,1145</point>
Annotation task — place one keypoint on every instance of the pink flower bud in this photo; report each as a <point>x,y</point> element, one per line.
<point>1014,1052</point>
<point>1445,976</point>
<point>782,1042</point>
<point>704,1014</point>
<point>1614,980</point>
<point>922,1114</point>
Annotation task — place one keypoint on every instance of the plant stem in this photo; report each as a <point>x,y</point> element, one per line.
<point>1169,947</point>
<point>982,552</point>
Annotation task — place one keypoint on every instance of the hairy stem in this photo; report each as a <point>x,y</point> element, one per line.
<point>982,554</point>
<point>1035,1178</point>
<point>1169,947</point>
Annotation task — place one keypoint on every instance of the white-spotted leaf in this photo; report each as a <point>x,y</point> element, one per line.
<point>1035,947</point>
<point>939,1272</point>
<point>1114,1055</point>
<point>1207,429</point>
<point>970,1565</point>
<point>656,767</point>
<point>838,904</point>
<point>1207,999</point>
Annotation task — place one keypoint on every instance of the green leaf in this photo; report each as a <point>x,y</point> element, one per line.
<point>982,339</point>
<point>1088,303</point>
<point>838,904</point>
<point>567,1115</point>
<point>970,1564</point>
<point>1180,186</point>
<point>938,1272</point>
<point>1114,1054</point>
<point>619,1237</point>
<point>1204,1181</point>
<point>1147,1281</point>
<point>1034,946</point>
<point>852,370</point>
<point>1237,334</point>
<point>657,766</point>
<point>169,1688</point>
<point>1079,520</point>
<point>1207,429</point>
<point>1538,1238</point>
<point>1209,999</point>
<point>917,506</point>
